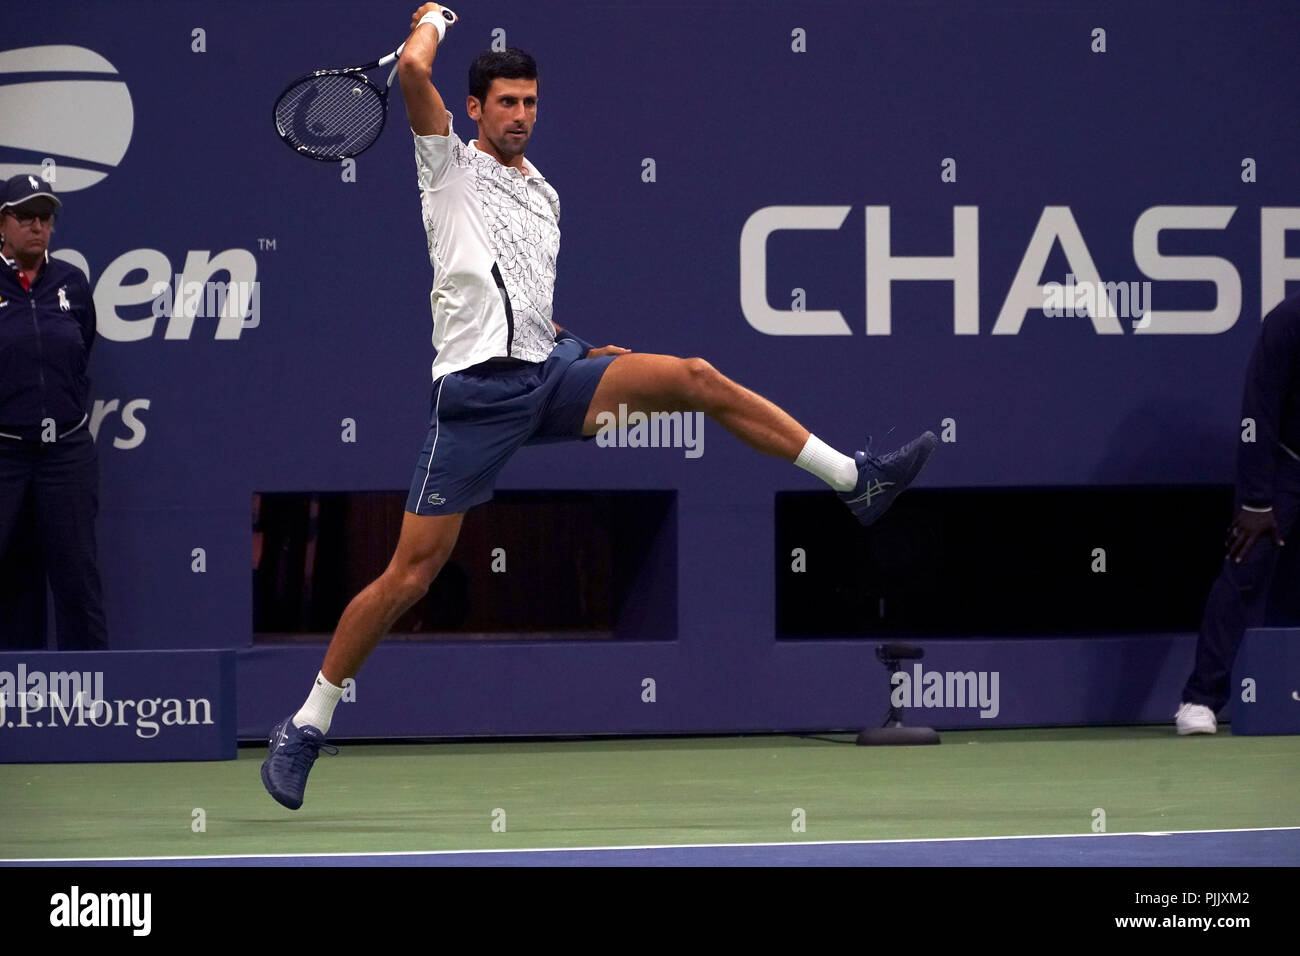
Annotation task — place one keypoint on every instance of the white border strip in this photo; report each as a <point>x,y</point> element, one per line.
<point>648,846</point>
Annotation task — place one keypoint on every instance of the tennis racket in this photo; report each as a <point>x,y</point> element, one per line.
<point>330,115</point>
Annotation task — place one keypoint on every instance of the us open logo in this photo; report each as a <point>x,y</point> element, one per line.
<point>68,118</point>
<point>66,104</point>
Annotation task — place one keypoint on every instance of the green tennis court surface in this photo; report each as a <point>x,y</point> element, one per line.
<point>375,798</point>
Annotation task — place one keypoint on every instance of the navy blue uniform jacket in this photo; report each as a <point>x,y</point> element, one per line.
<point>45,340</point>
<point>1272,399</point>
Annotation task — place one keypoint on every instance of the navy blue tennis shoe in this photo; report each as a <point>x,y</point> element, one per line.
<point>293,751</point>
<point>881,480</point>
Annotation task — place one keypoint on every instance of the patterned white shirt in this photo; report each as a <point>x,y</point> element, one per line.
<point>493,239</point>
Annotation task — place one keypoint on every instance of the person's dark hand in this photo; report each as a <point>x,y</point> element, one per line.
<point>1247,528</point>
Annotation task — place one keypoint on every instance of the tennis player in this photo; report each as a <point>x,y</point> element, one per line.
<point>506,375</point>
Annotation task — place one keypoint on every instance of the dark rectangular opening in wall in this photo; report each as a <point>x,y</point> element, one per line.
<point>545,565</point>
<point>1003,562</point>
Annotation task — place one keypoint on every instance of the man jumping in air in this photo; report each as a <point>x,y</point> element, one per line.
<point>506,375</point>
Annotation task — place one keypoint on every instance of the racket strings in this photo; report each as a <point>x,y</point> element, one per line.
<point>330,116</point>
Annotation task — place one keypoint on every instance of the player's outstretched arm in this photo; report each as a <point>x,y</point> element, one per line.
<point>424,106</point>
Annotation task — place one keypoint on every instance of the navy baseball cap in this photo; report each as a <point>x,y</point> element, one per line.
<point>23,187</point>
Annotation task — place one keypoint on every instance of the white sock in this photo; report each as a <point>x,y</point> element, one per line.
<point>319,709</point>
<point>838,471</point>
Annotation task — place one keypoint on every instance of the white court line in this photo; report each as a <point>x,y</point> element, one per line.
<point>648,846</point>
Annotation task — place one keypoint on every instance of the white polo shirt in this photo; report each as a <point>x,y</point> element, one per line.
<point>494,235</point>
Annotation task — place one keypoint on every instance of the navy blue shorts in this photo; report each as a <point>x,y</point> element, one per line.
<point>483,414</point>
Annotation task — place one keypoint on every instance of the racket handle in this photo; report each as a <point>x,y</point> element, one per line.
<point>447,15</point>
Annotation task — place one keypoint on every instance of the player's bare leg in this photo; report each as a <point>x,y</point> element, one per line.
<point>425,543</point>
<point>663,383</point>
<point>423,546</point>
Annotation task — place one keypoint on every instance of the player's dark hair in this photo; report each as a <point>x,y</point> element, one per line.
<point>511,63</point>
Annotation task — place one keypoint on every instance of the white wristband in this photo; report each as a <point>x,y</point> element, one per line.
<point>439,23</point>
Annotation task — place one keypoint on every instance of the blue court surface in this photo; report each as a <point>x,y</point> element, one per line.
<point>1217,848</point>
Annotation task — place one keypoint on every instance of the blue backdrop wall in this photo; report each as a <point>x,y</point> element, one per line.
<point>853,208</point>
